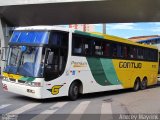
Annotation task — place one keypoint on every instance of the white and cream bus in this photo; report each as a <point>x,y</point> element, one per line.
<point>45,62</point>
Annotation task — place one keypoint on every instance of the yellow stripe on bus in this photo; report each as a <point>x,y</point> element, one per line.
<point>13,76</point>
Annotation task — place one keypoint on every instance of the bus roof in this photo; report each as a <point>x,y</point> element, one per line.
<point>59,28</point>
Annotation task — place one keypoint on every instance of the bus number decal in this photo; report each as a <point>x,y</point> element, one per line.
<point>55,89</point>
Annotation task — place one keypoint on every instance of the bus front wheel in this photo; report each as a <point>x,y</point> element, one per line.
<point>136,86</point>
<point>74,91</point>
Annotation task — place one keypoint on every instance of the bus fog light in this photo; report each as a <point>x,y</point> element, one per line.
<point>5,79</point>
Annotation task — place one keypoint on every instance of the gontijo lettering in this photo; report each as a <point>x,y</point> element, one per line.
<point>130,65</point>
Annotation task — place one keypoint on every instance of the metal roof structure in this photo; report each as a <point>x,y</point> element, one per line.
<point>54,12</point>
<point>151,39</point>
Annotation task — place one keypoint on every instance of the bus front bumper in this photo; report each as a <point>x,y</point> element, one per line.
<point>22,89</point>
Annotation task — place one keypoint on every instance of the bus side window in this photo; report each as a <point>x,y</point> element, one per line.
<point>134,52</point>
<point>78,49</point>
<point>125,52</point>
<point>152,55</point>
<point>81,45</point>
<point>149,56</point>
<point>156,55</point>
<point>114,50</point>
<point>98,48</point>
<point>120,51</point>
<point>77,45</point>
<point>140,53</point>
<point>145,53</point>
<point>131,54</point>
<point>87,46</point>
<point>106,50</point>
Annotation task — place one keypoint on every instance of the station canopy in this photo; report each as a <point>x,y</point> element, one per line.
<point>80,12</point>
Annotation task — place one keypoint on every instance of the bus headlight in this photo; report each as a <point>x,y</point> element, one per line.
<point>5,79</point>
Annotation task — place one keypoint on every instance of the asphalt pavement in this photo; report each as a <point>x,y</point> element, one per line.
<point>98,106</point>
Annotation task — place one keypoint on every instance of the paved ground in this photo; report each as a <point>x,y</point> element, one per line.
<point>96,106</point>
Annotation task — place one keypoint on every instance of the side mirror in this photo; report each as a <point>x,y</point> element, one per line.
<point>4,55</point>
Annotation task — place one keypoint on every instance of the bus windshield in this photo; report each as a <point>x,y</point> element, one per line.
<point>25,60</point>
<point>37,54</point>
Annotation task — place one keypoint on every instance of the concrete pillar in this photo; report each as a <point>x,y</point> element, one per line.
<point>104,28</point>
<point>4,38</point>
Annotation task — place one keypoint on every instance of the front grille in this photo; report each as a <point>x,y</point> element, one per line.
<point>21,81</point>
<point>13,80</point>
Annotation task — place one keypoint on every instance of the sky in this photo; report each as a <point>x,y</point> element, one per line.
<point>127,30</point>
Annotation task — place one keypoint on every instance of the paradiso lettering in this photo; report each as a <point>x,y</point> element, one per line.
<point>79,64</point>
<point>130,65</point>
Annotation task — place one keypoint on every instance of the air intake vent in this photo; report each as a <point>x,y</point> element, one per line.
<point>21,81</point>
<point>13,80</point>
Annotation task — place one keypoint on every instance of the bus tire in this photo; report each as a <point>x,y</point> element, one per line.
<point>136,86</point>
<point>74,91</point>
<point>144,83</point>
